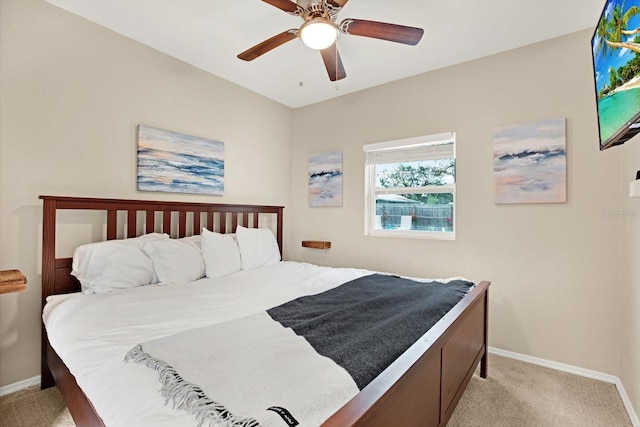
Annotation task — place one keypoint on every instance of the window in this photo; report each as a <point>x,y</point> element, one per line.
<point>411,187</point>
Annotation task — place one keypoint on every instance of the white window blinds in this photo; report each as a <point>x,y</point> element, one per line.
<point>440,146</point>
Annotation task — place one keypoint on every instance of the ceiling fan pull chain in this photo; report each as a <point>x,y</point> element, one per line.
<point>301,61</point>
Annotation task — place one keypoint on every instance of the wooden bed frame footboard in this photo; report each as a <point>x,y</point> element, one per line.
<point>421,388</point>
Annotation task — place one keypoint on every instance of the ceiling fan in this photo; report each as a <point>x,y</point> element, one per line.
<point>320,31</point>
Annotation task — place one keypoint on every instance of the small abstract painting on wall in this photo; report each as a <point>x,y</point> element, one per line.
<point>530,162</point>
<point>325,179</point>
<point>178,163</point>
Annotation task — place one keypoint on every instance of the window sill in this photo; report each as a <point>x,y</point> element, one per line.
<point>407,234</point>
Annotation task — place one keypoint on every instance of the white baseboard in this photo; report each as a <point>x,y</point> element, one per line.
<point>577,371</point>
<point>20,385</point>
<point>555,365</point>
<point>627,404</point>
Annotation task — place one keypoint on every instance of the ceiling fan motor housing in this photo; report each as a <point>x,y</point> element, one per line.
<point>318,9</point>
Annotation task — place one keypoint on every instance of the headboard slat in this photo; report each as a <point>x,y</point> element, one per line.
<point>182,224</point>
<point>112,224</point>
<point>223,222</point>
<point>150,222</point>
<point>166,222</point>
<point>234,220</point>
<point>132,220</point>
<point>196,222</point>
<point>210,223</point>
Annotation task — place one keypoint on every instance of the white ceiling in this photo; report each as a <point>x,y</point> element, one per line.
<point>210,33</point>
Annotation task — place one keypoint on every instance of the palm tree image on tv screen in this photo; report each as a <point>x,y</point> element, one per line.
<point>616,63</point>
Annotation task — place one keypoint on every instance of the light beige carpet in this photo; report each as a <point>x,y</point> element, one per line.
<point>34,408</point>
<point>519,394</point>
<point>516,394</point>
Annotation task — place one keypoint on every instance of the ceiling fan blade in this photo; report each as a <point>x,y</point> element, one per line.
<point>337,3</point>
<point>333,63</point>
<point>272,43</point>
<point>382,30</point>
<point>286,5</point>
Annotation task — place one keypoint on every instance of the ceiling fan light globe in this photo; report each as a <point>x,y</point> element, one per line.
<point>318,33</point>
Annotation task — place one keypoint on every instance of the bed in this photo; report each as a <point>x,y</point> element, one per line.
<point>421,387</point>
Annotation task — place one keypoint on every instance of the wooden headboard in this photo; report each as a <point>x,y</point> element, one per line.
<point>188,220</point>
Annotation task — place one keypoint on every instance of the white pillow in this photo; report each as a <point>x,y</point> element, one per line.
<point>220,253</point>
<point>196,238</point>
<point>175,261</point>
<point>258,247</point>
<point>103,267</point>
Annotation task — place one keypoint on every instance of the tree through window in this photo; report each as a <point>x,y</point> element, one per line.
<point>411,187</point>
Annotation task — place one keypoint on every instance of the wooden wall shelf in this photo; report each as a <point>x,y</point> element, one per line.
<point>12,281</point>
<point>316,244</point>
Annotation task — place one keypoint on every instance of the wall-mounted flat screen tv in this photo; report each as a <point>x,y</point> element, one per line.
<point>616,64</point>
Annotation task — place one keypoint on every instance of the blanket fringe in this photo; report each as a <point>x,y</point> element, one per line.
<point>186,396</point>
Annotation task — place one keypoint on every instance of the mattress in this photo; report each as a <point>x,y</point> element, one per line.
<point>93,333</point>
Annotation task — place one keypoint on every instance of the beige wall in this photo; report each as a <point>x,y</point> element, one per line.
<point>555,269</point>
<point>630,310</point>
<point>72,94</point>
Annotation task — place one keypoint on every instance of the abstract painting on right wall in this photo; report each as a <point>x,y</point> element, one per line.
<point>530,162</point>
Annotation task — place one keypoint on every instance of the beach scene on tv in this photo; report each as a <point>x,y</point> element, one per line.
<point>616,61</point>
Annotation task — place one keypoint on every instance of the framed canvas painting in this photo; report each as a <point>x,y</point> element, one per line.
<point>177,163</point>
<point>325,179</point>
<point>530,162</point>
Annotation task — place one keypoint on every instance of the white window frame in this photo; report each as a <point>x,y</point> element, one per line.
<point>398,147</point>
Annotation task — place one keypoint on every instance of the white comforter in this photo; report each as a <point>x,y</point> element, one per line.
<point>93,333</point>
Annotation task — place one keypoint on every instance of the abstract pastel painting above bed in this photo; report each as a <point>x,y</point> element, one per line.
<point>530,162</point>
<point>177,163</point>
